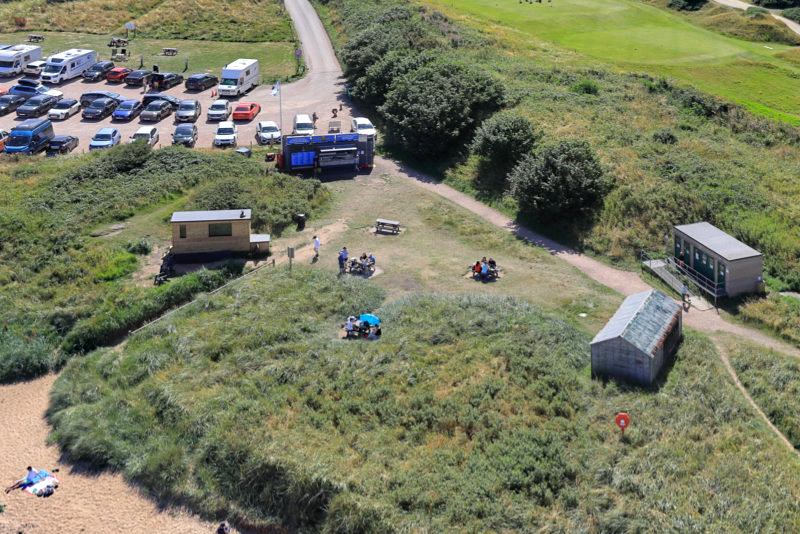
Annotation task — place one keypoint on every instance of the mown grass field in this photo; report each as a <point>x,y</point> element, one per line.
<point>231,20</point>
<point>636,36</point>
<point>276,59</point>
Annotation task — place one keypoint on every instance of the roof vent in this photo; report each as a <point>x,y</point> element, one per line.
<point>241,215</point>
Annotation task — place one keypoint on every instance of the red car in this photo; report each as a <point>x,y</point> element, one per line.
<point>3,91</point>
<point>118,74</point>
<point>245,111</point>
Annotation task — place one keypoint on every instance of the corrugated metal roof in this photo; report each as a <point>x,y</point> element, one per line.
<point>211,215</point>
<point>717,241</point>
<point>642,319</point>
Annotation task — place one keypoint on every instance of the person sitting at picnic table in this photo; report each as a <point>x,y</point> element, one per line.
<point>484,270</point>
<point>371,258</point>
<point>477,268</point>
<point>375,333</point>
<point>492,263</point>
<point>29,478</point>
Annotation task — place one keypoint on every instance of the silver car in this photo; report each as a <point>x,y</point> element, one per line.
<point>188,110</point>
<point>220,110</point>
<point>156,110</point>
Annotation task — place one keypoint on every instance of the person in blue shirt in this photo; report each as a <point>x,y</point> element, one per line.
<point>29,478</point>
<point>484,270</point>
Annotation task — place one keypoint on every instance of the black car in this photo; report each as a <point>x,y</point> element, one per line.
<point>36,106</point>
<point>62,144</point>
<point>165,80</point>
<point>9,103</point>
<point>139,77</point>
<point>152,97</point>
<point>100,108</point>
<point>200,82</point>
<point>89,96</point>
<point>185,134</point>
<point>98,71</point>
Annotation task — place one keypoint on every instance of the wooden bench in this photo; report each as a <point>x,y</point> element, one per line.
<point>387,225</point>
<point>35,38</point>
<point>334,126</point>
<point>169,51</point>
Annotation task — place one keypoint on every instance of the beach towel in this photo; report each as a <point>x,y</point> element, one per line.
<point>40,482</point>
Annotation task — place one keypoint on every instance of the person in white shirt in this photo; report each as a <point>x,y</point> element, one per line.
<point>316,247</point>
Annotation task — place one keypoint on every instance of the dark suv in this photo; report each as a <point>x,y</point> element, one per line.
<point>100,108</point>
<point>139,77</point>
<point>165,80</point>
<point>90,96</point>
<point>152,97</point>
<point>200,82</point>
<point>98,71</point>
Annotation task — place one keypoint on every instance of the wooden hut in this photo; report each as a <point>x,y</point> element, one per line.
<point>215,234</point>
<point>638,339</point>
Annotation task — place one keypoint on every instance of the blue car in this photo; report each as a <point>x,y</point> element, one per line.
<point>127,111</point>
<point>105,138</point>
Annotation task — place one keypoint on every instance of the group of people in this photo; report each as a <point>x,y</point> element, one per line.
<point>362,264</point>
<point>355,328</point>
<point>485,269</point>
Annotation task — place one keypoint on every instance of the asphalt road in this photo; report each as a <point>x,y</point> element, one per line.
<point>320,91</point>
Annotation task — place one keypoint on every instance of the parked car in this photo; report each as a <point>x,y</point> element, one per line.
<point>267,132</point>
<point>246,111</point>
<point>64,109</point>
<point>100,108</point>
<point>34,68</point>
<point>9,103</point>
<point>220,110</point>
<point>3,91</point>
<point>29,87</point>
<point>185,134</point>
<point>139,77</point>
<point>201,82</point>
<point>89,96</point>
<point>165,80</point>
<point>152,97</point>
<point>148,133</point>
<point>105,138</point>
<point>62,144</point>
<point>3,137</point>
<point>36,106</point>
<point>98,71</point>
<point>155,111</point>
<point>226,134</point>
<point>118,74</point>
<point>189,110</point>
<point>127,111</point>
<point>362,126</point>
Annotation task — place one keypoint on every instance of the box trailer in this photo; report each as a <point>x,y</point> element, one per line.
<point>239,77</point>
<point>67,65</point>
<point>14,59</point>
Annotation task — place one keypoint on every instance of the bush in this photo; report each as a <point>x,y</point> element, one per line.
<point>141,246</point>
<point>756,11</point>
<point>793,13</point>
<point>429,109</point>
<point>665,136</point>
<point>686,5</point>
<point>585,87</point>
<point>778,4</point>
<point>559,181</point>
<point>377,81</point>
<point>505,137</point>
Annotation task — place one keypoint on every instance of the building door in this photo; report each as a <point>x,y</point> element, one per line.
<point>677,247</point>
<point>721,267</point>
<point>687,252</point>
<point>711,270</point>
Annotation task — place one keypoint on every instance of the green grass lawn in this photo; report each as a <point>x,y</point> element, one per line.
<point>640,37</point>
<point>275,59</point>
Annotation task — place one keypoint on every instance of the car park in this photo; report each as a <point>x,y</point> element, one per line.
<point>62,144</point>
<point>226,134</point>
<point>148,133</point>
<point>64,109</point>
<point>89,96</point>
<point>118,74</point>
<point>155,111</point>
<point>98,71</point>
<point>128,110</point>
<point>185,134</point>
<point>220,110</point>
<point>152,97</point>
<point>34,68</point>
<point>9,103</point>
<point>3,137</point>
<point>165,80</point>
<point>267,132</point>
<point>362,126</point>
<point>100,108</point>
<point>139,77</point>
<point>36,106</point>
<point>188,110</point>
<point>246,111</point>
<point>201,82</point>
<point>105,138</point>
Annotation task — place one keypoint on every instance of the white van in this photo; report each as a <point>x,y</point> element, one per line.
<point>303,125</point>
<point>239,77</point>
<point>14,59</point>
<point>67,65</point>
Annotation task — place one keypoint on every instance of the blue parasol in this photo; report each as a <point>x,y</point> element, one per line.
<point>369,318</point>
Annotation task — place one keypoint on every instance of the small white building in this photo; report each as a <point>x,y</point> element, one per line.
<point>640,337</point>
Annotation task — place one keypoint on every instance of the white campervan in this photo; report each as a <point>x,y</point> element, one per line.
<point>14,59</point>
<point>67,65</point>
<point>239,77</point>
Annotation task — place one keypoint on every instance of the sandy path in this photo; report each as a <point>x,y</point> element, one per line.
<point>776,13</point>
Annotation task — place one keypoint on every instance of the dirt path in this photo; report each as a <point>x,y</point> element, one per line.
<point>776,13</point>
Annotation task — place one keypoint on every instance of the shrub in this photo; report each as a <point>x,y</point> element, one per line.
<point>665,136</point>
<point>141,246</point>
<point>778,4</point>
<point>756,11</point>
<point>558,181</point>
<point>793,13</point>
<point>585,87</point>
<point>377,81</point>
<point>686,5</point>
<point>505,137</point>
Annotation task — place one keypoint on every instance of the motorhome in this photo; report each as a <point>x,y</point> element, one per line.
<point>14,59</point>
<point>67,65</point>
<point>239,77</point>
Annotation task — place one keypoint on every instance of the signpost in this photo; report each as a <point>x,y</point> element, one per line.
<point>290,254</point>
<point>623,421</point>
<point>130,26</point>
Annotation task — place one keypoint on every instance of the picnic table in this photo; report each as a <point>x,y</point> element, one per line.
<point>118,42</point>
<point>334,126</point>
<point>382,225</point>
<point>35,38</point>
<point>169,51</point>
<point>355,266</point>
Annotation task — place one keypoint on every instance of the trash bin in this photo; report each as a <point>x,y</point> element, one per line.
<point>246,152</point>
<point>301,221</point>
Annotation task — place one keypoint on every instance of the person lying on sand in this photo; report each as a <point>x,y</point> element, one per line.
<point>24,481</point>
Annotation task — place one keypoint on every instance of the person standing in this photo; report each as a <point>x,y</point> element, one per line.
<point>316,247</point>
<point>342,259</point>
<point>684,293</point>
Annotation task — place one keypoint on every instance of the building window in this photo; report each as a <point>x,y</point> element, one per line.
<point>219,230</point>
<point>182,230</point>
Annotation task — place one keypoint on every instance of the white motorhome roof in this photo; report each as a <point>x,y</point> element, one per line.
<point>66,54</point>
<point>240,64</point>
<point>16,49</point>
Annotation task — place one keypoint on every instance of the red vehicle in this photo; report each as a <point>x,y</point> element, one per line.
<point>118,74</point>
<point>245,111</point>
<point>3,91</point>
